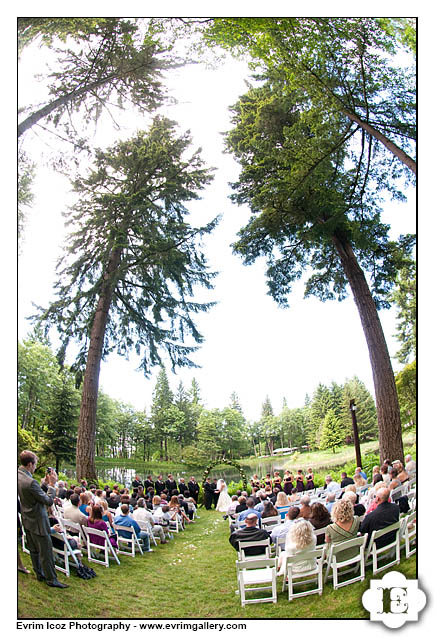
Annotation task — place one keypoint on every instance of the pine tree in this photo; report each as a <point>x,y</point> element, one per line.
<point>61,429</point>
<point>333,433</point>
<point>366,412</point>
<point>132,262</point>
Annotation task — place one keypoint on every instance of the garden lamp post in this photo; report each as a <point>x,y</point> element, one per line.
<point>355,433</point>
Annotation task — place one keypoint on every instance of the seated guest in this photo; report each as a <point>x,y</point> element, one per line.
<point>282,504</point>
<point>126,520</point>
<point>346,480</point>
<point>255,495</point>
<point>142,515</point>
<point>382,516</point>
<point>262,500</point>
<point>384,471</point>
<point>98,496</point>
<point>319,517</point>
<point>61,490</point>
<point>250,510</point>
<point>375,470</point>
<point>184,503</point>
<point>249,533</point>
<point>232,507</point>
<point>331,485</point>
<point>330,501</point>
<point>268,510</point>
<point>242,504</point>
<point>305,509</point>
<point>113,501</point>
<point>295,496</point>
<point>57,543</point>
<point>107,516</point>
<point>125,500</point>
<point>359,481</point>
<point>359,509</point>
<point>175,506</point>
<point>372,501</point>
<point>402,475</point>
<point>361,472</point>
<point>410,464</point>
<point>85,503</point>
<point>96,522</point>
<point>164,498</point>
<point>73,513</point>
<point>300,538</point>
<point>345,525</point>
<point>278,533</point>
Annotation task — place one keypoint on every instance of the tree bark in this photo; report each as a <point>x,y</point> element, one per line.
<point>388,409</point>
<point>85,451</point>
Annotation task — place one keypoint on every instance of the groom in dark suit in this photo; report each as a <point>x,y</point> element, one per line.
<point>33,502</point>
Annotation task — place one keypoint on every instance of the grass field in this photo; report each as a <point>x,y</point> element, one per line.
<point>192,577</point>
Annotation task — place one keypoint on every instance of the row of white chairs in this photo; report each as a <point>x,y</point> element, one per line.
<point>259,573</point>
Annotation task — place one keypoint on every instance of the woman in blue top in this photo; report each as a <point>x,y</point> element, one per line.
<point>85,503</point>
<point>282,504</point>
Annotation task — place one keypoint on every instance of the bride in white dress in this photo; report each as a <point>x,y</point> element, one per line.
<point>224,499</point>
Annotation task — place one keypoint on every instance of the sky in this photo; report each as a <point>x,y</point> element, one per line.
<point>250,347</point>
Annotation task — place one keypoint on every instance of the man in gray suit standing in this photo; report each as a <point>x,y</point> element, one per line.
<point>33,502</point>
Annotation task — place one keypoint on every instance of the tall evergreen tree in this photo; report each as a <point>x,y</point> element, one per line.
<point>404,296</point>
<point>132,263</point>
<point>327,221</point>
<point>333,433</point>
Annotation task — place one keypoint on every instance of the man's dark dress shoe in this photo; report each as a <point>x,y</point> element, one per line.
<point>56,583</point>
<point>40,577</point>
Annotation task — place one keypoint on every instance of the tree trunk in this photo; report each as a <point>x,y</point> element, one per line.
<point>85,452</point>
<point>391,146</point>
<point>388,409</point>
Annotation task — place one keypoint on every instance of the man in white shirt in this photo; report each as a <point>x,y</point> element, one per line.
<point>142,515</point>
<point>410,464</point>
<point>331,485</point>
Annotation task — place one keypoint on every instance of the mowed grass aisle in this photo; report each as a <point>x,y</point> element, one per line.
<point>193,576</point>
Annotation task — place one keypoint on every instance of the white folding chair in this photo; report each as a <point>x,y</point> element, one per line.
<point>146,527</point>
<point>244,545</point>
<point>408,534</point>
<point>63,555</point>
<point>294,577</point>
<point>23,536</point>
<point>341,567</point>
<point>74,528</point>
<point>256,576</point>
<point>373,552</point>
<point>94,549</point>
<point>270,522</point>
<point>131,542</point>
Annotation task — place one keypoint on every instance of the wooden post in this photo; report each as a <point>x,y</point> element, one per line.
<point>355,433</point>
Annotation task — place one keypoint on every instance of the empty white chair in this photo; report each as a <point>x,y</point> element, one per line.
<point>340,567</point>
<point>373,553</point>
<point>132,542</point>
<point>257,576</point>
<point>293,577</point>
<point>94,549</point>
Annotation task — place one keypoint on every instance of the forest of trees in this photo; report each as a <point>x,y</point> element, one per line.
<point>177,425</point>
<point>324,132</point>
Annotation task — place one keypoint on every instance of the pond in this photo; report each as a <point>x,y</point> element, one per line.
<point>124,475</point>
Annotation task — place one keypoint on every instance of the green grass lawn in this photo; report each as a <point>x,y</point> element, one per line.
<point>193,576</point>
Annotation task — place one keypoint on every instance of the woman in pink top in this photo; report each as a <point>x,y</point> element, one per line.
<point>96,521</point>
